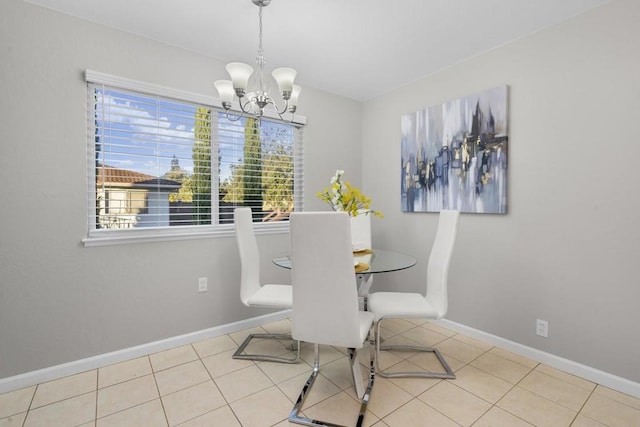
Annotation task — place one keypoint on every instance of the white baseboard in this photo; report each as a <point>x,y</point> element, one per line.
<point>54,372</point>
<point>101,360</point>
<point>603,378</point>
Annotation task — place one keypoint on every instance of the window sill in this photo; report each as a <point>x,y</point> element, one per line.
<point>125,237</point>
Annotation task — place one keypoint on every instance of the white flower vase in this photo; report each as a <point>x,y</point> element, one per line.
<point>361,231</point>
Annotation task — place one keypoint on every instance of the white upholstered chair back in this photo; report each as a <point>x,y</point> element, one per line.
<point>249,255</point>
<point>325,302</point>
<point>439,260</point>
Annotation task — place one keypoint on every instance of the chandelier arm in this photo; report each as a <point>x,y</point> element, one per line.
<point>275,106</point>
<point>286,109</point>
<point>231,117</point>
<point>244,106</point>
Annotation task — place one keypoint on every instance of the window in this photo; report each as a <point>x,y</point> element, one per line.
<point>165,164</point>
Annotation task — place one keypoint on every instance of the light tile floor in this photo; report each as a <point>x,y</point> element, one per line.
<point>201,385</point>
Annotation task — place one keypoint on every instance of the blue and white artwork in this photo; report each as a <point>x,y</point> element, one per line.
<point>454,155</point>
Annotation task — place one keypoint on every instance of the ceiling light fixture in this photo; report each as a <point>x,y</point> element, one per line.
<point>258,97</point>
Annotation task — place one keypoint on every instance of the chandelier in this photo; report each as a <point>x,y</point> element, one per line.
<point>251,88</point>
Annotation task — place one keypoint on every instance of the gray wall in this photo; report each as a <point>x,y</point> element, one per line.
<point>569,247</point>
<point>61,302</point>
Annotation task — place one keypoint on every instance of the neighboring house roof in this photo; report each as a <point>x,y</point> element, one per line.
<point>115,177</point>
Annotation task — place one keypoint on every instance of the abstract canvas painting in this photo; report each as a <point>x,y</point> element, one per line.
<point>454,155</point>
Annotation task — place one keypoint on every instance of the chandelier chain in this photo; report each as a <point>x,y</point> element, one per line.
<point>260,58</point>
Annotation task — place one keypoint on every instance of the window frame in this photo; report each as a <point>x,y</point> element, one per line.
<point>103,237</point>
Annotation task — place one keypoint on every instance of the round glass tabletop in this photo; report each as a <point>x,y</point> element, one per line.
<point>378,260</point>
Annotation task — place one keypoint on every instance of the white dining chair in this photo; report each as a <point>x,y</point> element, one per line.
<point>432,305</point>
<point>255,294</point>
<point>325,298</point>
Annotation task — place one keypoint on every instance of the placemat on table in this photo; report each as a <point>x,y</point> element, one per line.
<point>361,266</point>
<point>363,252</point>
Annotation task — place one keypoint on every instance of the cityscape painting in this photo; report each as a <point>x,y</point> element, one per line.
<point>454,155</point>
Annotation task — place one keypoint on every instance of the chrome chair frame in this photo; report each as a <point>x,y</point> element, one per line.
<point>240,352</point>
<point>295,417</point>
<point>448,374</point>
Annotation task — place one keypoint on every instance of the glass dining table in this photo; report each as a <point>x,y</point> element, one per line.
<point>372,261</point>
<point>367,263</point>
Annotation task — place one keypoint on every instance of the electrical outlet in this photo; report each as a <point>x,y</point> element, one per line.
<point>542,328</point>
<point>202,284</point>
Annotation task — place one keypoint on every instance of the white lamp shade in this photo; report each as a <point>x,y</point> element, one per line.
<point>293,101</point>
<point>240,74</point>
<point>225,90</point>
<point>284,76</point>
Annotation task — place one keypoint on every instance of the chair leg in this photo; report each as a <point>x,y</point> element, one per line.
<point>355,372</point>
<point>372,375</point>
<point>364,285</point>
<point>295,417</point>
<point>240,354</point>
<point>448,374</point>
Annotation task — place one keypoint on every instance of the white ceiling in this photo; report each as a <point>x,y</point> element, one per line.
<point>356,48</point>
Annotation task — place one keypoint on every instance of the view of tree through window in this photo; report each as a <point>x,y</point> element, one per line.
<point>161,162</point>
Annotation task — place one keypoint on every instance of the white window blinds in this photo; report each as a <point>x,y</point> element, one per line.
<point>163,159</point>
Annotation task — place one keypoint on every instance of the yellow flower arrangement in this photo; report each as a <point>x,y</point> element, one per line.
<point>341,196</point>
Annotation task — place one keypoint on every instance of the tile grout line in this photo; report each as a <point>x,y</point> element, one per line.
<point>95,415</point>
<point>583,405</point>
<point>489,373</point>
<point>213,380</point>
<point>578,412</point>
<point>513,385</point>
<point>563,381</point>
<point>155,381</point>
<point>516,385</point>
<point>33,396</point>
